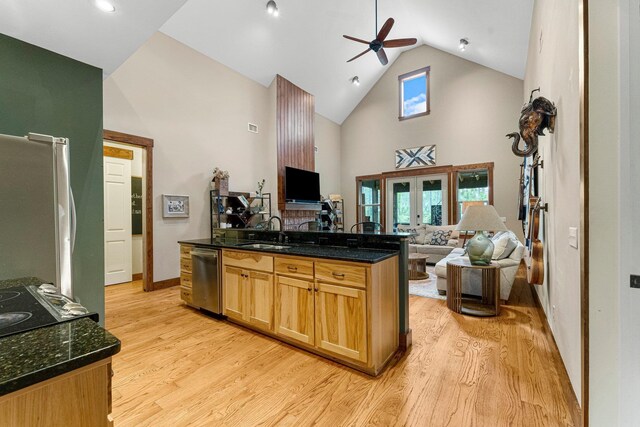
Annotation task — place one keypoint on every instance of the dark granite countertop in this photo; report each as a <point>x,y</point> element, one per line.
<point>297,249</point>
<point>30,357</point>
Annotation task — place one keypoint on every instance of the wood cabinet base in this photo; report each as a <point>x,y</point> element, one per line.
<point>79,398</point>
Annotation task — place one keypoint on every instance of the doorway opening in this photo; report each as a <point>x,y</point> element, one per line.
<point>128,167</point>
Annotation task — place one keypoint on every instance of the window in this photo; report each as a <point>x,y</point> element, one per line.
<point>414,94</point>
<point>369,200</point>
<point>473,189</point>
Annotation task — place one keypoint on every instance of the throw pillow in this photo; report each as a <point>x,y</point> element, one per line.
<point>406,229</point>
<point>440,237</point>
<point>503,247</point>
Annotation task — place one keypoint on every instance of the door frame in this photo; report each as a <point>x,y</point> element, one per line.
<point>147,145</point>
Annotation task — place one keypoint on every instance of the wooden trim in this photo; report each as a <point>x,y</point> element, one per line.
<point>359,180</point>
<point>147,145</point>
<point>164,284</point>
<point>137,276</point>
<point>405,76</point>
<point>114,136</point>
<point>428,170</point>
<point>565,383</point>
<point>583,61</point>
<point>118,153</point>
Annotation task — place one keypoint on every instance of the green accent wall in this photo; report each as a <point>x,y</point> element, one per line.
<point>43,92</point>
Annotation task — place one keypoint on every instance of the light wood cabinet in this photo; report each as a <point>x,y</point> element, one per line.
<point>248,295</point>
<point>341,320</point>
<point>81,397</point>
<point>295,309</point>
<point>186,290</point>
<point>343,310</point>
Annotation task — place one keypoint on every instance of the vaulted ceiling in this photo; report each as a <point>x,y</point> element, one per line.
<point>304,44</point>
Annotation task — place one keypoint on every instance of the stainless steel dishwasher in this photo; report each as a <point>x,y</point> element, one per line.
<point>206,280</point>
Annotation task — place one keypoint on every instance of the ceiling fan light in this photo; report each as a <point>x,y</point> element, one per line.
<point>105,6</point>
<point>464,42</point>
<point>272,8</point>
<point>355,81</point>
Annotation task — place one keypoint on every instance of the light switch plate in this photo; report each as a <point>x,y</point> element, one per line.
<point>573,237</point>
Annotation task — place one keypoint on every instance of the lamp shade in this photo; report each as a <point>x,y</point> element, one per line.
<point>481,218</point>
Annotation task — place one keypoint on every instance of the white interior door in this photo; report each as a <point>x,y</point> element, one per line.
<point>417,200</point>
<point>117,220</point>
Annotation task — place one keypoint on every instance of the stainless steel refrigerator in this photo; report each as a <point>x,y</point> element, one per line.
<point>37,214</point>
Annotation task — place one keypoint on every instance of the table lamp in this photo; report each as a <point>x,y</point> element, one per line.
<point>480,219</point>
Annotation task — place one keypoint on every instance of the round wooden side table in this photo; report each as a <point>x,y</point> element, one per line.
<point>416,261</point>
<point>489,304</point>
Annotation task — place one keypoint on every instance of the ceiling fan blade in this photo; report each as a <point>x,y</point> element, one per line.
<point>382,57</point>
<point>399,42</point>
<point>359,55</point>
<point>384,31</point>
<point>355,39</point>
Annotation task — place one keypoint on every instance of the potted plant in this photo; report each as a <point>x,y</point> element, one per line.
<point>220,181</point>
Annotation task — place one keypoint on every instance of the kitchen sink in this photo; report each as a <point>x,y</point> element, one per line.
<point>264,246</point>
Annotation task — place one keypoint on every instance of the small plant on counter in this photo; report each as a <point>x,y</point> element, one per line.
<point>220,181</point>
<point>260,187</point>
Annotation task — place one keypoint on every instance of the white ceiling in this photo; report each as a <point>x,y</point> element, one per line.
<point>304,44</point>
<point>77,29</point>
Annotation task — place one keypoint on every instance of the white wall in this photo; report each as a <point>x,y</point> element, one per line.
<point>604,216</point>
<point>327,140</point>
<point>629,207</point>
<point>197,111</point>
<point>553,65</point>
<point>472,108</point>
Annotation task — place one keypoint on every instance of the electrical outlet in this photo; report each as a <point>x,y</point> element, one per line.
<point>635,281</point>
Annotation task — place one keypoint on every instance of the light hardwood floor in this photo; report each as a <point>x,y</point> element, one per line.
<point>179,367</point>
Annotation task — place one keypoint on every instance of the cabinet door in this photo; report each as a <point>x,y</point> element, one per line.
<point>341,320</point>
<point>260,308</point>
<point>294,309</point>
<point>234,293</point>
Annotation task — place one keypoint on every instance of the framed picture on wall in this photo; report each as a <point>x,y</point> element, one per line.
<point>175,206</point>
<point>416,157</point>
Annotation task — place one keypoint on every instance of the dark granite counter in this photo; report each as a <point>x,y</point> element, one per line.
<point>368,255</point>
<point>30,357</point>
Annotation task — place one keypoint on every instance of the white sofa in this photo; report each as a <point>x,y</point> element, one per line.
<point>472,279</point>
<point>421,241</point>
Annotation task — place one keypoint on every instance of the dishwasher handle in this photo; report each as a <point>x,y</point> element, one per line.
<point>204,253</point>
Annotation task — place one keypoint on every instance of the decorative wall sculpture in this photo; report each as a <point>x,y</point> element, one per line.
<point>416,157</point>
<point>535,117</point>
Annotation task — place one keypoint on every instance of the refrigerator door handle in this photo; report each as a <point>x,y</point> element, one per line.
<point>73,219</point>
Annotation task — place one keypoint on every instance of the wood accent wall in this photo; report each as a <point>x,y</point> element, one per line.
<point>295,117</point>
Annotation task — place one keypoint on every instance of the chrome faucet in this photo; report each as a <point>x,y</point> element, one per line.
<point>282,237</point>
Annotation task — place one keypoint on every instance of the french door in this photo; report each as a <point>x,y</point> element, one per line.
<point>414,201</point>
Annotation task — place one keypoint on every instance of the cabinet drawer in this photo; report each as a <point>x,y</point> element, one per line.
<point>346,274</point>
<point>185,279</point>
<point>185,265</point>
<point>250,260</point>
<point>185,251</point>
<point>185,294</point>
<point>294,267</point>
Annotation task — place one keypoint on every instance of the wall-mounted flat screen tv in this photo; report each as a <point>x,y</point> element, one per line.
<point>301,186</point>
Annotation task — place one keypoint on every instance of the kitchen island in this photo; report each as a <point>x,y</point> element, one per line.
<point>338,301</point>
<point>56,375</point>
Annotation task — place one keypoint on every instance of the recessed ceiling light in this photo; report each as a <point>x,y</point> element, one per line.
<point>105,6</point>
<point>355,81</point>
<point>463,44</point>
<point>272,8</point>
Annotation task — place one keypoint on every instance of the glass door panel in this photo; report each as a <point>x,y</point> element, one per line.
<point>432,200</point>
<point>415,201</point>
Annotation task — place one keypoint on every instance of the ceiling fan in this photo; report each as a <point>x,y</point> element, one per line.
<point>379,43</point>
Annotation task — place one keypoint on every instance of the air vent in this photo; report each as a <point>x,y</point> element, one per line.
<point>253,128</point>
